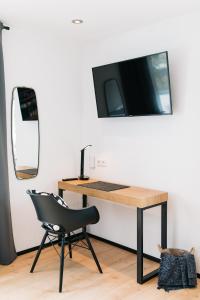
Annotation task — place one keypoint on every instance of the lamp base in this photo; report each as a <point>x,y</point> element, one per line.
<point>83,177</point>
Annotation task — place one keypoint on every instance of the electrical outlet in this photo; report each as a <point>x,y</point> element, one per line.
<point>102,163</point>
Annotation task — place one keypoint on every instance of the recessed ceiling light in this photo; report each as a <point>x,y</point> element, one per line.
<point>77,21</point>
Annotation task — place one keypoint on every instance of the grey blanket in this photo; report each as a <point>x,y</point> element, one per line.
<point>177,272</point>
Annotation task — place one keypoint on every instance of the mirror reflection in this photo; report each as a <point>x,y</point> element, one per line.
<point>25,132</point>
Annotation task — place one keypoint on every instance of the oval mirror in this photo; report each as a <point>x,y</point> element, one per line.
<point>25,132</point>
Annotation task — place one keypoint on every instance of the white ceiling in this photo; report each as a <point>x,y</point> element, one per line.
<point>102,18</point>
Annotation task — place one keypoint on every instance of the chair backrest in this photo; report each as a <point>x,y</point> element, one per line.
<point>50,211</point>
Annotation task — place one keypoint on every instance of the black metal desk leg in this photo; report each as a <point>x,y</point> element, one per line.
<point>84,197</point>
<point>140,245</point>
<point>164,225</point>
<point>60,193</point>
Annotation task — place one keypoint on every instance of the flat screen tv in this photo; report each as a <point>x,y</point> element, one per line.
<point>135,87</point>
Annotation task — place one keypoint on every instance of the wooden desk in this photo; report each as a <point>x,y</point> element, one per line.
<point>141,198</point>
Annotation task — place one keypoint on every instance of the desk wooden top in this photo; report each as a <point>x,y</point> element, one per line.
<point>133,196</point>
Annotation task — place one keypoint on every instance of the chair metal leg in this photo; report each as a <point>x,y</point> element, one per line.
<point>62,258</point>
<point>38,252</point>
<point>92,251</point>
<point>69,245</point>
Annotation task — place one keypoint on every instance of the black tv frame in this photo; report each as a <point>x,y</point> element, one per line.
<point>142,115</point>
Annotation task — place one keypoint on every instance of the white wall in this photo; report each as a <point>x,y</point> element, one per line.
<point>161,152</point>
<point>49,64</point>
<point>156,152</point>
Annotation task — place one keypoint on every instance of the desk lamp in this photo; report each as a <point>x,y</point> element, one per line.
<point>82,176</point>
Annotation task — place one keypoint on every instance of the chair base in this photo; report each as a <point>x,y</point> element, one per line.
<point>63,240</point>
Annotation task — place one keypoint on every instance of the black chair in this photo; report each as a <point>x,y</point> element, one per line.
<point>59,221</point>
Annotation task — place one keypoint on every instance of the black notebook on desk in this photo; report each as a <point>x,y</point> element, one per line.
<point>104,186</point>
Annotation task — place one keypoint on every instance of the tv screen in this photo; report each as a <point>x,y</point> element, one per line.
<point>28,104</point>
<point>136,87</point>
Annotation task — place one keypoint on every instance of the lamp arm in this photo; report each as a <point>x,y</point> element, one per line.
<point>86,147</point>
<point>82,162</point>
